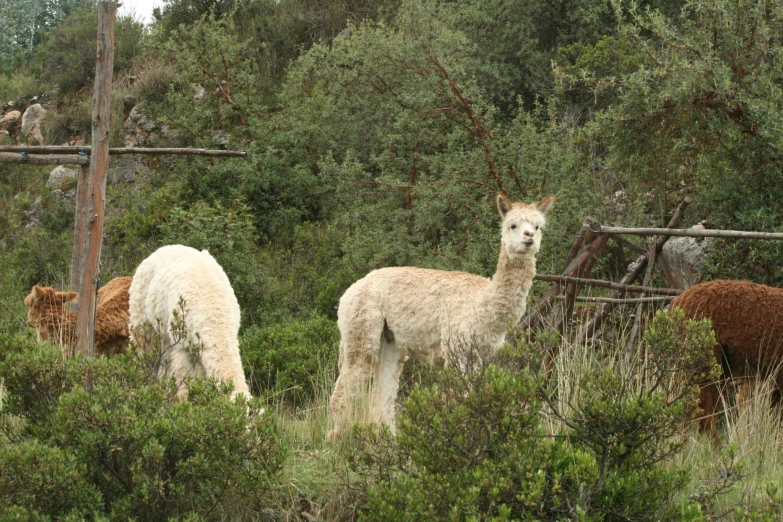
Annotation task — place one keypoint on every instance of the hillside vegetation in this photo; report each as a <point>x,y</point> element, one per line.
<point>378,133</point>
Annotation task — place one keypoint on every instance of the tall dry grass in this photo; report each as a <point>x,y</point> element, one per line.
<point>733,474</point>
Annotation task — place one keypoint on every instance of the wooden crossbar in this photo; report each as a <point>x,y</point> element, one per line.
<point>686,232</point>
<point>73,149</point>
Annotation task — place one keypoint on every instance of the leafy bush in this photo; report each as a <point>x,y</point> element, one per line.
<point>306,274</point>
<point>294,358</point>
<point>681,350</point>
<point>229,235</point>
<point>122,436</point>
<point>18,86</point>
<point>34,253</point>
<point>472,447</point>
<point>700,112</point>
<point>40,480</point>
<point>481,445</point>
<point>59,125</point>
<point>67,54</point>
<point>210,54</point>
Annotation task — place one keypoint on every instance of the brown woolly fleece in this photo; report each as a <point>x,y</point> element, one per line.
<point>748,322</point>
<point>48,315</point>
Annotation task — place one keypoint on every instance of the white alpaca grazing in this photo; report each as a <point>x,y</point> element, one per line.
<point>394,313</point>
<point>212,320</point>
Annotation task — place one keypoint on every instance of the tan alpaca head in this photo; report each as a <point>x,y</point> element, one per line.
<point>522,225</point>
<point>44,301</point>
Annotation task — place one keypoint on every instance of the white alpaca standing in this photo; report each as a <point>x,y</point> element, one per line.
<point>212,320</point>
<point>393,313</point>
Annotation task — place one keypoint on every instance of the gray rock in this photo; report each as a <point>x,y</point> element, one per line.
<point>199,93</point>
<point>682,259</point>
<point>31,122</point>
<point>10,119</point>
<point>32,217</point>
<point>63,179</point>
<point>141,130</point>
<point>342,35</point>
<point>221,137</point>
<point>65,196</point>
<point>127,169</point>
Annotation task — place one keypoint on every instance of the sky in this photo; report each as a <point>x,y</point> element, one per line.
<point>141,8</point>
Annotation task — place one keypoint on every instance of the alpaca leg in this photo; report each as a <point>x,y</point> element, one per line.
<point>711,405</point>
<point>777,392</point>
<point>345,391</point>
<point>359,350</point>
<point>745,389</point>
<point>225,365</point>
<point>386,383</point>
<point>180,367</point>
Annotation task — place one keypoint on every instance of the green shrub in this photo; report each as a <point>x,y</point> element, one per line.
<point>228,234</point>
<point>470,448</point>
<point>681,347</point>
<point>41,480</point>
<point>294,358</point>
<point>482,446</point>
<point>35,376</point>
<point>68,54</point>
<point>18,86</point>
<point>148,455</point>
<point>305,274</point>
<point>59,125</point>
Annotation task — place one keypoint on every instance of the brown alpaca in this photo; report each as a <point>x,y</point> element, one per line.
<point>53,322</point>
<point>748,322</point>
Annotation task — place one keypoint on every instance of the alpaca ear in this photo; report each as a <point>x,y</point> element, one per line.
<point>68,297</point>
<point>34,296</point>
<point>543,205</point>
<point>504,205</point>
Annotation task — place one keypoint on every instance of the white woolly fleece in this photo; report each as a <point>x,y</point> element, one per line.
<point>399,312</point>
<point>212,317</point>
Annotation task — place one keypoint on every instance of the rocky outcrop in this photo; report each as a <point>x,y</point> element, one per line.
<point>31,122</point>
<point>682,259</point>
<point>10,122</point>
<point>32,216</point>
<point>141,130</point>
<point>127,169</point>
<point>63,183</point>
<point>63,178</point>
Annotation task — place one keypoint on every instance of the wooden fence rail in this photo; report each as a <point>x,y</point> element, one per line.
<point>686,232</point>
<point>608,284</point>
<point>44,159</point>
<point>71,149</point>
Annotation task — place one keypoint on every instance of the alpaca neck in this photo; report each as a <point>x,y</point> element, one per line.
<point>506,294</point>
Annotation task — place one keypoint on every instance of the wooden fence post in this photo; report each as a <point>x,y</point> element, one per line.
<point>634,271</point>
<point>92,193</point>
<point>81,218</point>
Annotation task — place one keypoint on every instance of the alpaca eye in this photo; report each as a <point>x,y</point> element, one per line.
<point>512,227</point>
<point>536,227</point>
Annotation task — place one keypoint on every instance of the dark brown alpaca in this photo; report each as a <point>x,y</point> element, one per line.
<point>748,322</point>
<point>53,322</point>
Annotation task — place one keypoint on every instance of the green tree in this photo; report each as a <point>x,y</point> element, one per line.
<point>701,109</point>
<point>23,24</point>
<point>67,54</point>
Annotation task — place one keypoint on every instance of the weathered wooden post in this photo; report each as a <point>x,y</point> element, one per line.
<point>81,218</point>
<point>91,192</point>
